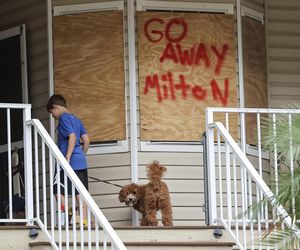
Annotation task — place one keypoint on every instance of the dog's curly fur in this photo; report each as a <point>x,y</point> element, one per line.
<point>149,198</point>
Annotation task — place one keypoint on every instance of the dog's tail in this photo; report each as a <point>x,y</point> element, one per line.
<point>155,172</point>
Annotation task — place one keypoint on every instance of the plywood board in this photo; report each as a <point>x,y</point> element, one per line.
<point>186,63</point>
<point>255,72</point>
<point>89,70</point>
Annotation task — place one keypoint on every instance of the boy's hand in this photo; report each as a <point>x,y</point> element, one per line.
<point>68,159</point>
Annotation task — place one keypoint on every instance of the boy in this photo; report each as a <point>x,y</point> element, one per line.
<point>70,130</point>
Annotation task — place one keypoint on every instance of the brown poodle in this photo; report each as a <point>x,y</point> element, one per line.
<point>149,198</point>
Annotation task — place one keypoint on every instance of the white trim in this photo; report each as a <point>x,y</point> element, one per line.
<point>24,63</point>
<point>253,151</point>
<point>144,5</point>
<point>15,106</point>
<point>105,148</point>
<point>4,147</point>
<point>192,147</point>
<point>50,61</point>
<point>132,91</point>
<point>133,103</point>
<point>252,14</point>
<point>10,32</point>
<point>252,110</point>
<point>172,146</point>
<point>88,7</point>
<point>240,55</point>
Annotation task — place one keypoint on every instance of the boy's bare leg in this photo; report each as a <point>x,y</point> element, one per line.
<point>62,204</point>
<point>62,200</point>
<point>84,207</point>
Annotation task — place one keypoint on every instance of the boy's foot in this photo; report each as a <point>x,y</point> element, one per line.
<point>85,223</point>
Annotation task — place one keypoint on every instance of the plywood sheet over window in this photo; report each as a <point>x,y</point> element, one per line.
<point>89,70</point>
<point>255,71</point>
<point>186,63</point>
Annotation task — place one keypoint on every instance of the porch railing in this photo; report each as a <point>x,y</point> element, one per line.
<point>235,184</point>
<point>14,115</point>
<point>63,227</point>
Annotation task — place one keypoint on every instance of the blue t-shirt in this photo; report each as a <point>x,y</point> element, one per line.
<point>67,125</point>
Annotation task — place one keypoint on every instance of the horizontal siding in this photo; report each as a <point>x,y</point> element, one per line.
<point>278,14</point>
<point>257,5</point>
<point>276,63</point>
<point>288,90</point>
<point>292,54</point>
<point>185,215</point>
<point>286,5</point>
<point>283,35</point>
<point>115,169</point>
<point>171,158</point>
<point>69,2</point>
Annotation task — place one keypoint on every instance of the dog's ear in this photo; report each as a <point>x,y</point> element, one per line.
<point>122,195</point>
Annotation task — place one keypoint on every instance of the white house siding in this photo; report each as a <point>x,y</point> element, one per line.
<point>283,35</point>
<point>185,169</point>
<point>32,13</point>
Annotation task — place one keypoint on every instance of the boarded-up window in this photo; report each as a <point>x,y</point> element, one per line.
<point>186,63</point>
<point>89,70</point>
<point>255,71</point>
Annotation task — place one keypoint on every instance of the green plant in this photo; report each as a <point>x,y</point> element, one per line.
<point>281,136</point>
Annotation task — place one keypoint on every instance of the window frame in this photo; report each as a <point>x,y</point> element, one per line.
<point>104,147</point>
<point>145,5</point>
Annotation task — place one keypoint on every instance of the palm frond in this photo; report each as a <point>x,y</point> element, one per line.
<point>282,135</point>
<point>280,238</point>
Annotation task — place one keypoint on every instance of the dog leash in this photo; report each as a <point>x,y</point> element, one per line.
<point>107,182</point>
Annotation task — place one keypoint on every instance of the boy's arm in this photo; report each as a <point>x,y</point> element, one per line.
<point>71,146</point>
<point>86,142</point>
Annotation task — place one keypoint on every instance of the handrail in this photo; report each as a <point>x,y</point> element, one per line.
<point>234,154</point>
<point>252,171</point>
<point>253,110</point>
<point>92,206</point>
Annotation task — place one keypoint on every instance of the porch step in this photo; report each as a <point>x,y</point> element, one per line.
<point>134,238</point>
<point>150,246</point>
<point>163,238</point>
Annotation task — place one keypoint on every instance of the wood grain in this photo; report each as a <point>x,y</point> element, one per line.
<point>183,119</point>
<point>255,72</point>
<point>89,70</point>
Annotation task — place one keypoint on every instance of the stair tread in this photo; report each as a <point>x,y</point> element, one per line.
<point>153,243</point>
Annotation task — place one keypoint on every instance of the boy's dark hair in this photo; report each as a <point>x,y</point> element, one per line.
<point>56,100</point>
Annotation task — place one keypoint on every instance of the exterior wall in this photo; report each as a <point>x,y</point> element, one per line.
<point>185,169</point>
<point>32,13</point>
<point>115,167</point>
<point>283,25</point>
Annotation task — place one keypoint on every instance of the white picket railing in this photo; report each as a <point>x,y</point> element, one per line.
<point>14,115</point>
<point>41,158</point>
<point>234,183</point>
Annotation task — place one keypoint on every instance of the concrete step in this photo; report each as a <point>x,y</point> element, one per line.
<point>173,238</point>
<point>135,238</point>
<point>153,246</point>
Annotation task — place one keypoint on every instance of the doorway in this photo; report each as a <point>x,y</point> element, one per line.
<point>13,89</point>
